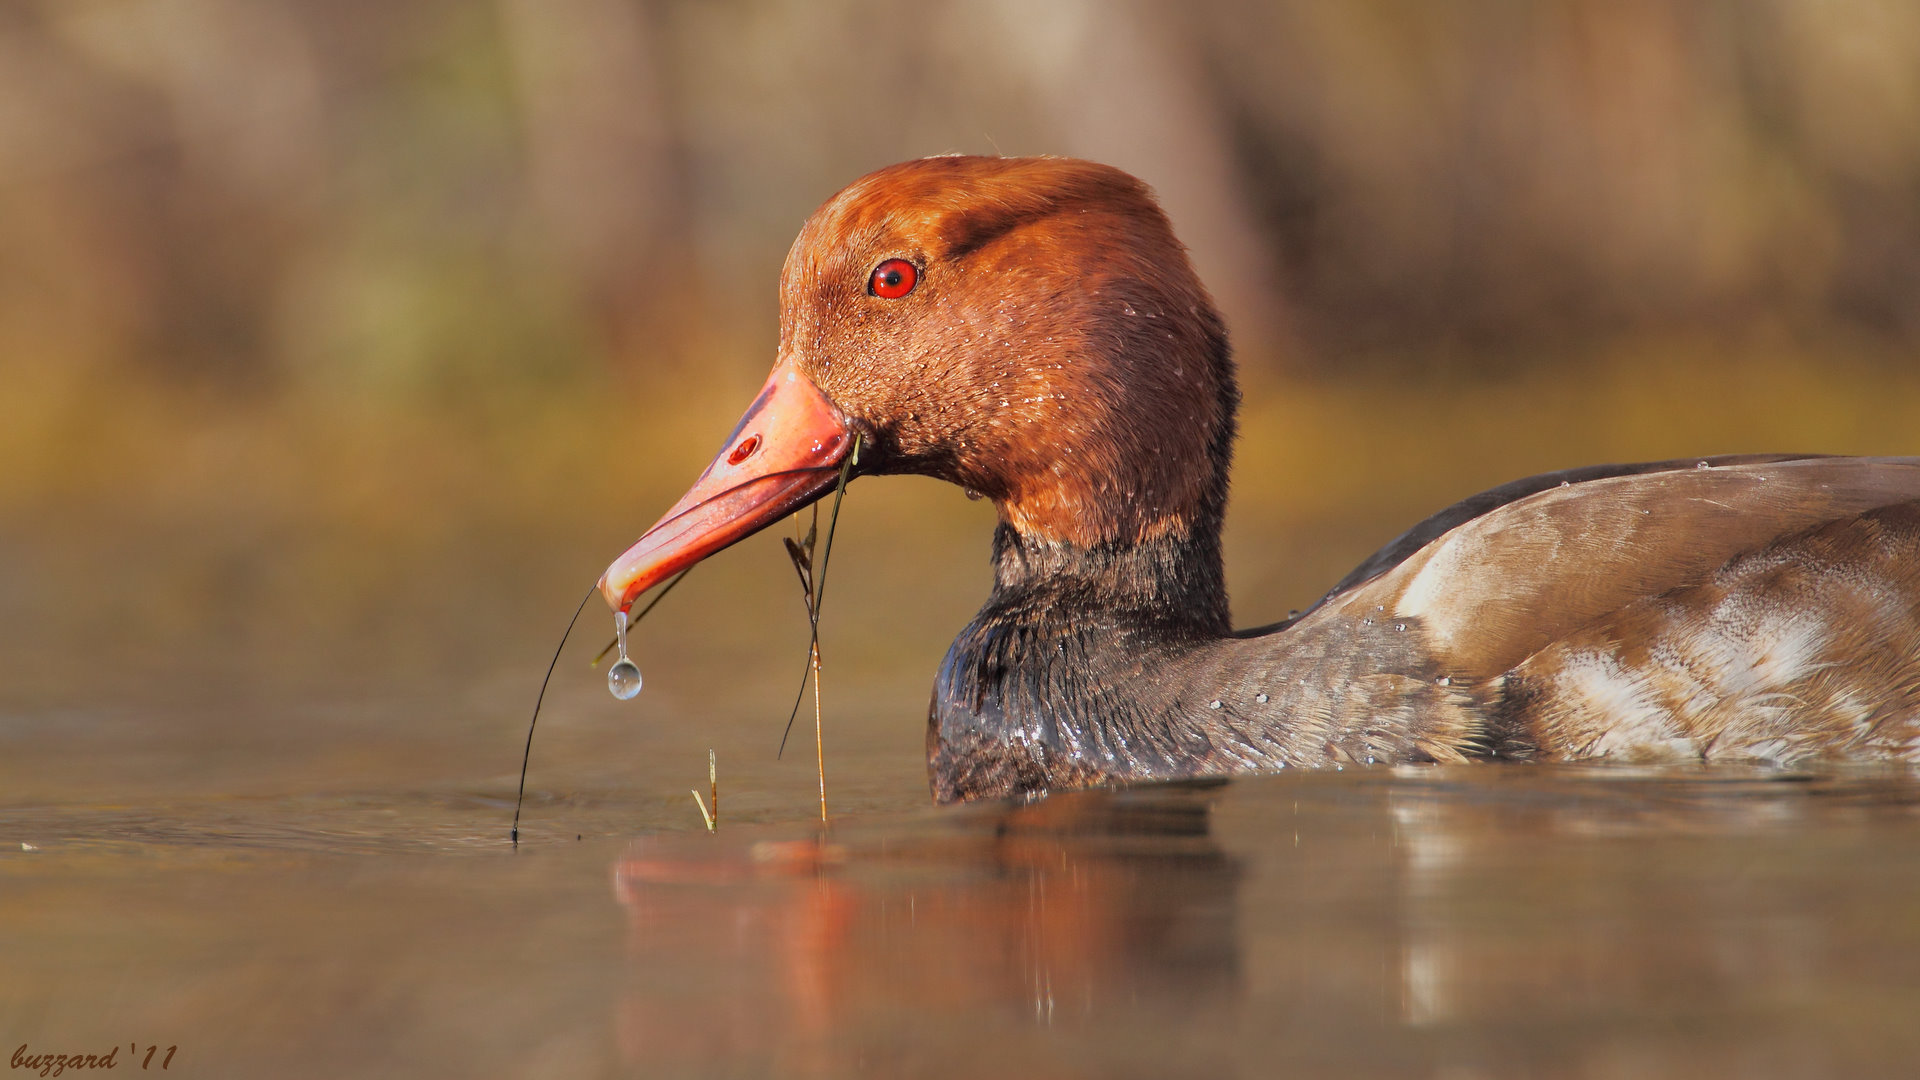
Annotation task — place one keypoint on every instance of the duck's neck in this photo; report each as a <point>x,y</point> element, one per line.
<point>1108,585</point>
<point>1069,674</point>
<point>1172,585</point>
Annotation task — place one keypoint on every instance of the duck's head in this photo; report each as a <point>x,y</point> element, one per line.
<point>1026,328</point>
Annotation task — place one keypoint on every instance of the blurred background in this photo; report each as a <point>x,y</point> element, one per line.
<point>343,343</point>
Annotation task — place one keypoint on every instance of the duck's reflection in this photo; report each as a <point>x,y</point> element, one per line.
<point>1488,922</point>
<point>1003,923</point>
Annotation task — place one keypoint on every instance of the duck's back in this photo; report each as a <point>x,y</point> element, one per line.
<point>1807,648</point>
<point>1727,609</point>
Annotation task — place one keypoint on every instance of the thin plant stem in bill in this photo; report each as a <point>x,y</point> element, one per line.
<point>527,754</point>
<point>813,582</point>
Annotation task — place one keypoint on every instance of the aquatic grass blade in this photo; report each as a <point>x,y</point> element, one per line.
<point>816,589</point>
<point>802,567</point>
<point>527,754</point>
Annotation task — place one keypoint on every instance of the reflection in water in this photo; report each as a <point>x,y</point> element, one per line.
<point>1473,922</point>
<point>1032,922</point>
<point>1622,924</point>
<point>1459,922</point>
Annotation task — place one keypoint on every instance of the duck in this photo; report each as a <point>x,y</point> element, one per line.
<point>1030,329</point>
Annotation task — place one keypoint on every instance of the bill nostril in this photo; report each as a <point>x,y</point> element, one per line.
<point>744,450</point>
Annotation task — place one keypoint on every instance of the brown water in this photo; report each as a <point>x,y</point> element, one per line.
<point>1476,921</point>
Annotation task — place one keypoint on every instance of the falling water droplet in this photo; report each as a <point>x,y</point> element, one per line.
<point>623,678</point>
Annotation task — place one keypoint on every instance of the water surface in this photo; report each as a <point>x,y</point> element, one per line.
<point>1457,922</point>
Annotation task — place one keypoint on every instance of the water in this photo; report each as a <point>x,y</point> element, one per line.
<point>623,678</point>
<point>1471,921</point>
<point>283,848</point>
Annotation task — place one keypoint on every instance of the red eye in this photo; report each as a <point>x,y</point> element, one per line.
<point>744,450</point>
<point>892,279</point>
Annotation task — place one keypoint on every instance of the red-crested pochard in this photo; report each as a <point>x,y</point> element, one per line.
<point>1030,329</point>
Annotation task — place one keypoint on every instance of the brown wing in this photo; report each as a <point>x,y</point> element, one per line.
<point>1493,589</point>
<point>1401,547</point>
<point>1806,648</point>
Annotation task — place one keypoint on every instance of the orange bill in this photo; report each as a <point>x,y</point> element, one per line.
<point>785,454</point>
